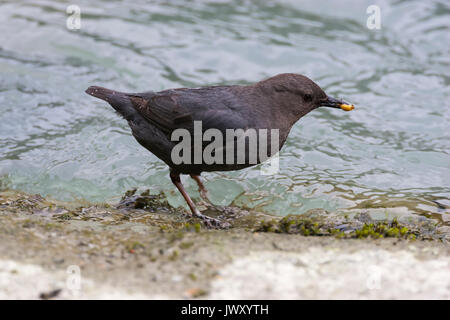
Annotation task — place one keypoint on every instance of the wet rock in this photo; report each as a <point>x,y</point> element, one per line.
<point>145,201</point>
<point>130,249</point>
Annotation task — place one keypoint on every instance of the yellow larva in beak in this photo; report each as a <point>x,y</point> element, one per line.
<point>335,103</point>
<point>347,107</point>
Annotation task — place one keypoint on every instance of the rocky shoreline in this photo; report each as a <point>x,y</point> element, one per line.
<point>144,248</point>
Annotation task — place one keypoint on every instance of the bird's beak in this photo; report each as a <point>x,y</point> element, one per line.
<point>335,103</point>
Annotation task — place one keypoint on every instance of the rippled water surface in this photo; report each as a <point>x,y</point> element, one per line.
<point>391,152</point>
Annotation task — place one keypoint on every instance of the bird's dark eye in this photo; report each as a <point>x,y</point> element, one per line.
<point>307,97</point>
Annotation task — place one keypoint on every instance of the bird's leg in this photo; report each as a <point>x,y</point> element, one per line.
<point>201,188</point>
<point>204,193</point>
<point>175,177</point>
<point>210,222</point>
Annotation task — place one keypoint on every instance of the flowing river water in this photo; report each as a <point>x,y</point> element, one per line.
<point>391,152</point>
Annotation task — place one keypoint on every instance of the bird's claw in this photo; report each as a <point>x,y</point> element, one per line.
<point>213,223</point>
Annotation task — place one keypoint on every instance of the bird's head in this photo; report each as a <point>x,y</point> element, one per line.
<point>301,94</point>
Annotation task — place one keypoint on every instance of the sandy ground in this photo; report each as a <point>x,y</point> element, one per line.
<point>61,251</point>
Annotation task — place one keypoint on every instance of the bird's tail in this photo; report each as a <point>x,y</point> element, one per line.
<point>120,101</point>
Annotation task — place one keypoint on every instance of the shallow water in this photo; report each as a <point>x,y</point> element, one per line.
<point>391,152</point>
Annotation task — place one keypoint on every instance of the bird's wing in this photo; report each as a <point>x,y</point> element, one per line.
<point>165,112</point>
<point>161,110</point>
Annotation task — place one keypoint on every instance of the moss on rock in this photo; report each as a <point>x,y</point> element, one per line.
<point>307,226</point>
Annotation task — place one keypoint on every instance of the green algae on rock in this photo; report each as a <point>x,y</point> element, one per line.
<point>349,228</point>
<point>146,210</point>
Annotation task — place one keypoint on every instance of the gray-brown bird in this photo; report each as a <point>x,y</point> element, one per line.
<point>275,103</point>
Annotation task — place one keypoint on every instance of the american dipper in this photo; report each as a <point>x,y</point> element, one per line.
<point>158,121</point>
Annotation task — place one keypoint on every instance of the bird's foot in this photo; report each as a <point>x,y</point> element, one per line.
<point>209,206</point>
<point>212,223</point>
